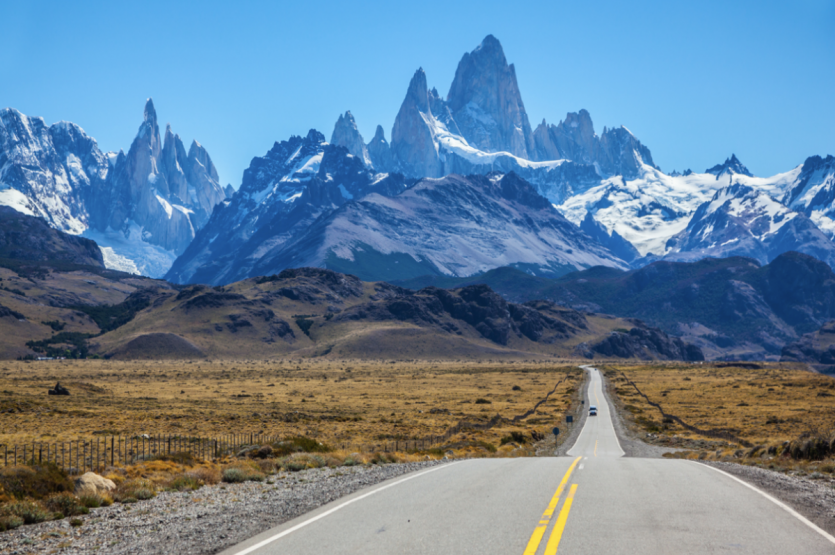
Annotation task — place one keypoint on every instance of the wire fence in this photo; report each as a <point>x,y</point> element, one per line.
<point>77,457</point>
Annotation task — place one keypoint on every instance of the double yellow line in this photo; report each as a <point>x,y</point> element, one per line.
<point>559,527</point>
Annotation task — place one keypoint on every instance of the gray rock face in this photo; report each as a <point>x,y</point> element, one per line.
<point>345,133</point>
<point>380,152</point>
<point>157,186</point>
<point>413,135</point>
<point>485,102</point>
<point>615,152</point>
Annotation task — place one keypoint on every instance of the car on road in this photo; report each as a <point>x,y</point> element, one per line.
<point>592,410</point>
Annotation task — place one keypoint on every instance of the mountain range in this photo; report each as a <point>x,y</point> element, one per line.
<point>142,208</point>
<point>465,185</point>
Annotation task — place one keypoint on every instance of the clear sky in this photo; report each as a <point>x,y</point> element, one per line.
<point>694,81</point>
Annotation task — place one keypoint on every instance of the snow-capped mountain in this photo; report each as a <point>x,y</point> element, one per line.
<point>142,208</point>
<point>742,221</point>
<point>310,203</point>
<point>483,127</point>
<point>653,207</point>
<point>455,226</point>
<point>49,171</point>
<point>281,195</point>
<point>813,192</point>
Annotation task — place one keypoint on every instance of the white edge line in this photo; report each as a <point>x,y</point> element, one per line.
<point>300,525</point>
<point>776,501</point>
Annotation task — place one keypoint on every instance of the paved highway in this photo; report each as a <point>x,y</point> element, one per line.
<point>594,501</point>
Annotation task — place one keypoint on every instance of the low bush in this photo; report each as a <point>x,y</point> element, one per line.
<point>95,500</point>
<point>65,503</point>
<point>185,483</point>
<point>135,490</point>
<point>207,475</point>
<point>31,512</point>
<point>76,522</point>
<point>10,522</point>
<point>35,481</point>
<point>243,471</point>
<point>299,444</point>
<point>481,401</point>
<point>514,437</point>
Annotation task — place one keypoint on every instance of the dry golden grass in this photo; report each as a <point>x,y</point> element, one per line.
<point>771,404</point>
<point>347,404</point>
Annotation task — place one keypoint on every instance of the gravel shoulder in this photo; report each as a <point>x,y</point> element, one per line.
<point>814,499</point>
<point>205,521</point>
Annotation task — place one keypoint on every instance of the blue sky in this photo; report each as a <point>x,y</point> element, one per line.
<point>694,81</point>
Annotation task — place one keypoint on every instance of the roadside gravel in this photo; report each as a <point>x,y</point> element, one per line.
<point>632,445</point>
<point>204,521</point>
<point>814,499</point>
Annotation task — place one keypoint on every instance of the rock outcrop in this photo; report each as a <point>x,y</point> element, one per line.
<point>380,152</point>
<point>345,133</point>
<point>167,193</point>
<point>486,103</point>
<point>413,135</point>
<point>731,166</point>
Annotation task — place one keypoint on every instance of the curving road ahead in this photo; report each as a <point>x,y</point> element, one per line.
<point>594,501</point>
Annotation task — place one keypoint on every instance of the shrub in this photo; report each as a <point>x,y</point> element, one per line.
<point>95,500</point>
<point>65,503</point>
<point>268,466</point>
<point>134,489</point>
<point>206,475</point>
<point>488,446</point>
<point>481,401</point>
<point>244,471</point>
<point>517,437</point>
<point>297,444</point>
<point>35,481</point>
<point>76,522</point>
<point>262,452</point>
<point>31,512</point>
<point>234,475</point>
<point>185,483</point>
<point>10,522</point>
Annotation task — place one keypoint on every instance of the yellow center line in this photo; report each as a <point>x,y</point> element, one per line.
<point>539,531</point>
<point>559,527</point>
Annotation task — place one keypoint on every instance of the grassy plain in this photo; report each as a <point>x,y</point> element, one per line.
<point>351,403</point>
<point>765,405</point>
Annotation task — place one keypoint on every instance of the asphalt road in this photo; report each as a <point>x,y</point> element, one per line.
<point>594,501</point>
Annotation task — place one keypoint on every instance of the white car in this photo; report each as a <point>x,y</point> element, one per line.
<point>592,410</point>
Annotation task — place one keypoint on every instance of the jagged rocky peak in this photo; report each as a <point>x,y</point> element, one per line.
<point>345,133</point>
<point>229,190</point>
<point>412,137</point>
<point>621,153</point>
<point>150,112</point>
<point>731,166</point>
<point>379,151</point>
<point>572,139</point>
<point>485,102</point>
<point>158,188</point>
